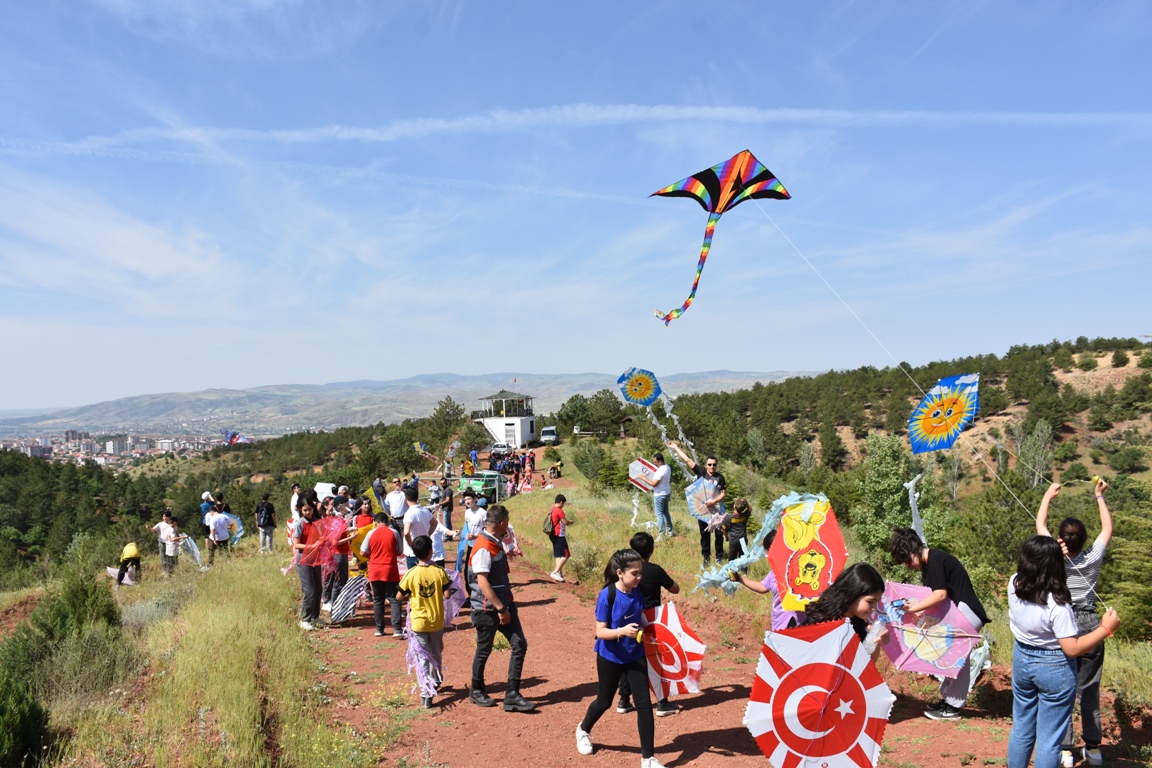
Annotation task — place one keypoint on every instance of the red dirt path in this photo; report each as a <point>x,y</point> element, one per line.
<point>559,674</point>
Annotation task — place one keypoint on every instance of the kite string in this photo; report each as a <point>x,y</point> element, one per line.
<point>916,383</point>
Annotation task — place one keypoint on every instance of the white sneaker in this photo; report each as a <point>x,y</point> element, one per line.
<point>583,741</point>
<point>326,607</point>
<point>650,762</point>
<point>306,625</point>
<point>1093,756</point>
<point>1066,759</point>
<point>556,576</point>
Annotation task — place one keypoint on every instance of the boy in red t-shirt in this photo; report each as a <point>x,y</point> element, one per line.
<point>559,537</point>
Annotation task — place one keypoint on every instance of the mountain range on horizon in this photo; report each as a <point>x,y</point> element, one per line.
<point>278,409</point>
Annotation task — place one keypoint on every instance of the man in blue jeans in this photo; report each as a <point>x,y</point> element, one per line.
<point>661,482</point>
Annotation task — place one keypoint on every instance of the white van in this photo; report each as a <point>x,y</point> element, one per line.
<point>548,435</point>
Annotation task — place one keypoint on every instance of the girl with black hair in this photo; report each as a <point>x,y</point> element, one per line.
<point>853,596</point>
<point>1043,666</point>
<point>1082,567</point>
<point>619,653</point>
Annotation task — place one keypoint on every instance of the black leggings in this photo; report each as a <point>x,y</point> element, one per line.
<point>609,674</point>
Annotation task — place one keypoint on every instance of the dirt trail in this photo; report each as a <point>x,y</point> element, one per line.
<point>559,674</point>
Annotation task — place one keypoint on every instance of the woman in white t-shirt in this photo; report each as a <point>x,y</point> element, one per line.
<point>1043,666</point>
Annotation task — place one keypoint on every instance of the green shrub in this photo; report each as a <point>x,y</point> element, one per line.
<point>89,661</point>
<point>1075,471</point>
<point>23,722</point>
<point>1087,361</point>
<point>82,600</point>
<point>1145,359</point>
<point>551,454</point>
<point>1099,418</point>
<point>1128,460</point>
<point>588,457</point>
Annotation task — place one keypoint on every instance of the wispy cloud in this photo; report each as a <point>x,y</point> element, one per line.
<point>575,116</point>
<point>252,28</point>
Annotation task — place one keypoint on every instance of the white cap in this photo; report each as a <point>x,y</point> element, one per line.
<point>206,496</point>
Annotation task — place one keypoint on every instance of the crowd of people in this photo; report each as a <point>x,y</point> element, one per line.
<point>400,550</point>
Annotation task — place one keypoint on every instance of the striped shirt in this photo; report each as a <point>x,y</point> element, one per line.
<point>1083,573</point>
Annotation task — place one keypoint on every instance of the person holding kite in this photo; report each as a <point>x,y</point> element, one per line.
<point>620,652</point>
<point>853,596</point>
<point>306,540</point>
<point>653,578</point>
<point>1048,642</point>
<point>781,619</point>
<point>715,503</point>
<point>948,579</point>
<point>1082,568</point>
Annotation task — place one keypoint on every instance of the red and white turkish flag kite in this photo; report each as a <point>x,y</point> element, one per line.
<point>675,654</point>
<point>818,699</point>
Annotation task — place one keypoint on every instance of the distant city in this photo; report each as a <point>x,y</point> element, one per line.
<point>122,451</point>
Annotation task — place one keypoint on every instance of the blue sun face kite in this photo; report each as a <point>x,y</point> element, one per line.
<point>944,412</point>
<point>639,387</point>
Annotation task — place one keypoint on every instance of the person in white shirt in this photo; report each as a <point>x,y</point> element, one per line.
<point>294,513</point>
<point>1082,566</point>
<point>438,534</point>
<point>1043,659</point>
<point>218,533</point>
<point>171,540</point>
<point>161,529</point>
<point>661,484</point>
<point>474,517</point>
<point>396,503</point>
<point>417,522</point>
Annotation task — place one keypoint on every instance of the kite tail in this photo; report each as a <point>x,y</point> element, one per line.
<point>679,429</point>
<point>664,436</point>
<point>720,576</point>
<point>704,249</point>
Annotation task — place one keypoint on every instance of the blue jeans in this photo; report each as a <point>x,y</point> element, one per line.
<point>663,516</point>
<point>1043,694</point>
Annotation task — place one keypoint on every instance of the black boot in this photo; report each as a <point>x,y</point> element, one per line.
<point>514,702</point>
<point>480,699</point>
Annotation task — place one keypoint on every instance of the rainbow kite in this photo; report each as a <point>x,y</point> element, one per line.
<point>944,412</point>
<point>720,189</point>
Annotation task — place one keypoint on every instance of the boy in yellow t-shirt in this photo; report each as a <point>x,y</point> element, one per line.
<point>423,586</point>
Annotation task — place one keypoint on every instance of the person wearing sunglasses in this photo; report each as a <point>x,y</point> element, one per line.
<point>715,503</point>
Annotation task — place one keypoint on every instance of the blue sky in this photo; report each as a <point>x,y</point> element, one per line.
<point>230,193</point>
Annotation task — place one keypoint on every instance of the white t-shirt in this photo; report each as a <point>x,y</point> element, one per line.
<point>475,519</point>
<point>397,503</point>
<point>162,529</point>
<point>1040,626</point>
<point>438,541</point>
<point>418,522</point>
<point>218,524</point>
<point>171,541</point>
<point>292,507</point>
<point>663,479</point>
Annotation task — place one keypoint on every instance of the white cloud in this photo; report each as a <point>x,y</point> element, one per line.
<point>252,28</point>
<point>572,116</point>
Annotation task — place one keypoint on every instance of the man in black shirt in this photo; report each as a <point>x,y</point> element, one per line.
<point>653,578</point>
<point>715,504</point>
<point>946,576</point>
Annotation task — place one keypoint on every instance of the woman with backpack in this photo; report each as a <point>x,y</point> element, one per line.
<point>266,522</point>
